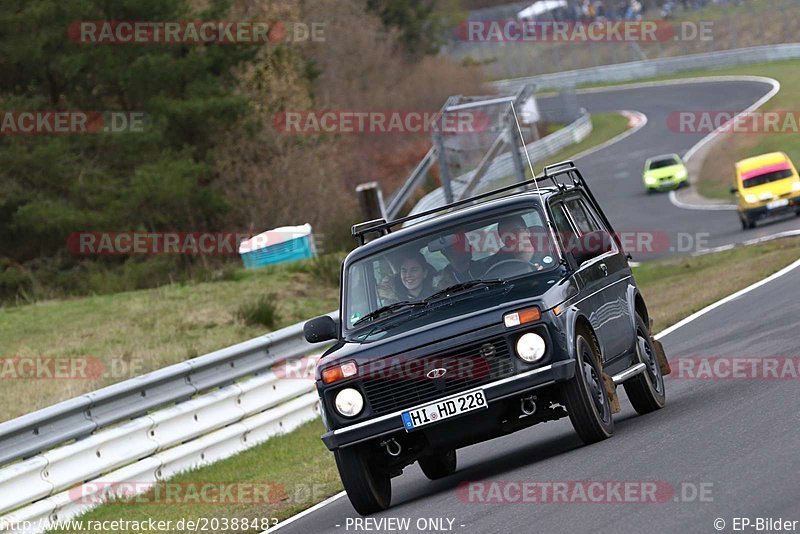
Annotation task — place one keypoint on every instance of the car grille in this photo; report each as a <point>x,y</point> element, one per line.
<point>405,382</point>
<point>665,178</point>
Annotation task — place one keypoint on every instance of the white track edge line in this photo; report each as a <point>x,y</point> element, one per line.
<point>721,302</point>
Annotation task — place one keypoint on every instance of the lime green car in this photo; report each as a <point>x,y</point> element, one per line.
<point>664,172</point>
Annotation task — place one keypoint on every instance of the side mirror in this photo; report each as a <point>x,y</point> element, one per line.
<point>734,191</point>
<point>320,329</point>
<point>591,245</point>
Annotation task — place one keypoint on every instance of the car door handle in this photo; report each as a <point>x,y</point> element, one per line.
<point>604,269</point>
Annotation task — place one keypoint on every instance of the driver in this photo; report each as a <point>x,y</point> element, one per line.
<point>522,243</point>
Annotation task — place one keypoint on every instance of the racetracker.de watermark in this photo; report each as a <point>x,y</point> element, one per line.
<point>482,242</point>
<point>583,492</point>
<point>734,122</point>
<point>379,122</point>
<point>401,368</point>
<point>165,493</point>
<point>737,368</point>
<point>597,31</point>
<point>70,122</point>
<point>130,32</point>
<point>68,368</point>
<point>186,243</point>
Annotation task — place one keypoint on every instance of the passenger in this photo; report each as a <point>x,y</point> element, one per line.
<point>413,281</point>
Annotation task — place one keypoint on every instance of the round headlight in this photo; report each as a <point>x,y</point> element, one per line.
<point>349,402</point>
<point>530,347</point>
<point>751,198</point>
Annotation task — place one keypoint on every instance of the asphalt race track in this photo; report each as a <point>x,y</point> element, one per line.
<point>726,448</point>
<point>615,173</point>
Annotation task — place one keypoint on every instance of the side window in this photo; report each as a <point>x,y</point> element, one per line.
<point>565,230</point>
<point>579,213</point>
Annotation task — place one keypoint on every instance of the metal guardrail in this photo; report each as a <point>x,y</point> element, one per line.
<point>503,165</point>
<point>635,70</point>
<point>79,417</point>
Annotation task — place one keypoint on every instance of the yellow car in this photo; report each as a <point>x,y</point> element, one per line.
<point>766,185</point>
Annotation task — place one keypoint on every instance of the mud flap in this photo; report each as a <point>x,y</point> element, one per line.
<point>611,390</point>
<point>663,362</point>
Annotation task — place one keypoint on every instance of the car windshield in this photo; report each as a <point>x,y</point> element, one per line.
<point>663,162</point>
<point>766,177</point>
<point>491,250</point>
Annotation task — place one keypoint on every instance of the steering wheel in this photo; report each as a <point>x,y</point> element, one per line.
<point>528,267</point>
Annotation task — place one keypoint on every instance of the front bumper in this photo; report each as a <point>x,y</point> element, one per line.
<point>558,371</point>
<point>666,185</point>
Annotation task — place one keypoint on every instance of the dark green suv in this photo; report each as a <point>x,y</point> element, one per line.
<point>475,320</point>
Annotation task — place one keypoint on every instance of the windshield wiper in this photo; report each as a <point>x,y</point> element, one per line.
<point>464,286</point>
<point>389,308</point>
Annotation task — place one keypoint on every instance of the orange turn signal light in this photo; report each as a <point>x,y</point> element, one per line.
<point>339,372</point>
<point>528,315</point>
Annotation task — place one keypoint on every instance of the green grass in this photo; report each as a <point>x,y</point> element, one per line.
<point>677,287</point>
<point>717,173</point>
<point>300,464</point>
<point>140,331</point>
<point>605,126</point>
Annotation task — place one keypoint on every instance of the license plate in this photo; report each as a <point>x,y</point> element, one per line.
<point>778,204</point>
<point>444,409</point>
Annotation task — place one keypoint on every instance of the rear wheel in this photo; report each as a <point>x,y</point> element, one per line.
<point>646,391</point>
<point>585,395</point>
<point>368,489</point>
<point>438,465</point>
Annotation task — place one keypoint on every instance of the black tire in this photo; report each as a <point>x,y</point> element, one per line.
<point>439,465</point>
<point>646,391</point>
<point>368,490</point>
<point>747,223</point>
<point>585,395</point>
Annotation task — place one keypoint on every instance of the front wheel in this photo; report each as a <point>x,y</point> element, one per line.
<point>368,489</point>
<point>438,465</point>
<point>585,395</point>
<point>646,391</point>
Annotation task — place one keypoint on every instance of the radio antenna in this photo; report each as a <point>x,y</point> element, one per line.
<point>530,166</point>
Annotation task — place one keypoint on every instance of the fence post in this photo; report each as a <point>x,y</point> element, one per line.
<point>444,172</point>
<point>370,200</point>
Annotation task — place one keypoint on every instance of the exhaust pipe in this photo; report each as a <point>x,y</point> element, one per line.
<point>392,447</point>
<point>527,405</point>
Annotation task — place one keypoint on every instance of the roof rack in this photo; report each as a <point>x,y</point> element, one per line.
<point>383,227</point>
